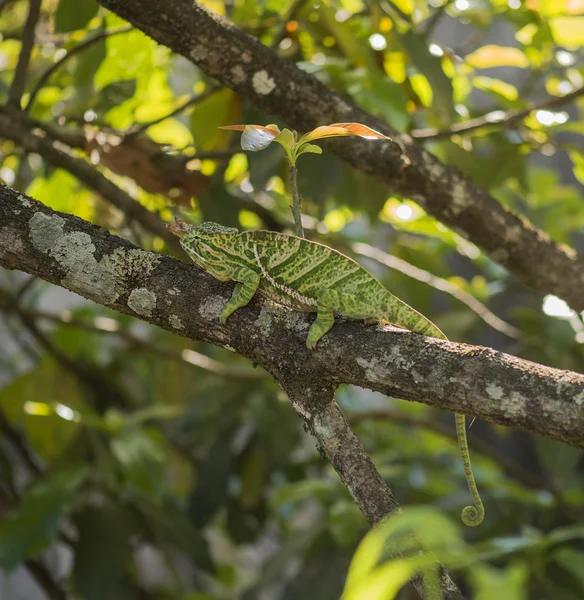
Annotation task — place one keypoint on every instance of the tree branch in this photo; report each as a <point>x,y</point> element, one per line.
<point>496,118</point>
<point>111,327</point>
<point>19,81</point>
<point>280,88</point>
<point>194,99</point>
<point>181,298</point>
<point>20,131</point>
<point>84,44</point>
<point>324,419</point>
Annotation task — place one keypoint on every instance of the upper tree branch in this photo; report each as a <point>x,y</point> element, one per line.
<point>279,87</point>
<point>181,298</point>
<point>19,81</point>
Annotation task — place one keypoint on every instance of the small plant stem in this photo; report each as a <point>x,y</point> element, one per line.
<point>296,201</point>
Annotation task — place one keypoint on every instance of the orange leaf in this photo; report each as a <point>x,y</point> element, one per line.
<point>361,130</point>
<point>342,129</point>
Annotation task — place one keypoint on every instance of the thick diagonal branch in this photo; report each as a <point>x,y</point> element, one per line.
<point>471,380</point>
<point>240,62</point>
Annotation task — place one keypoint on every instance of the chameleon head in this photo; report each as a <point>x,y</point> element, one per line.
<point>205,243</point>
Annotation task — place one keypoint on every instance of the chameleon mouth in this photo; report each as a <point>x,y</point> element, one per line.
<point>193,251</point>
<point>179,228</point>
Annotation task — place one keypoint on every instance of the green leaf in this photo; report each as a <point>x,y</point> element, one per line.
<point>212,478</point>
<point>572,562</point>
<point>497,87</point>
<point>489,583</point>
<point>559,459</point>
<point>568,31</point>
<point>86,66</point>
<point>141,453</point>
<point>170,529</point>
<point>309,148</point>
<point>430,67</point>
<point>129,56</point>
<point>497,56</point>
<point>61,191</point>
<point>578,165</point>
<point>74,14</point>
<point>47,433</point>
<point>286,139</point>
<point>34,524</point>
<point>221,107</point>
<point>115,93</point>
<point>102,553</point>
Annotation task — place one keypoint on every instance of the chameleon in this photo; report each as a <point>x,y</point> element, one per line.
<point>311,277</point>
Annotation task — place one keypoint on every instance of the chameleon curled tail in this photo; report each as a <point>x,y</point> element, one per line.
<point>308,276</point>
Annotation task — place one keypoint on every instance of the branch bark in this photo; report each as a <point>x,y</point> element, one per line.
<point>240,62</point>
<point>181,298</point>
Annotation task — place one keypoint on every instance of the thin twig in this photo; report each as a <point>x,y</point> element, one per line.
<point>438,283</point>
<point>24,288</point>
<point>496,118</point>
<point>44,578</point>
<point>9,498</point>
<point>194,99</point>
<point>395,12</point>
<point>83,45</point>
<point>17,441</point>
<point>191,357</point>
<point>296,201</point>
<point>19,81</point>
<point>431,23</point>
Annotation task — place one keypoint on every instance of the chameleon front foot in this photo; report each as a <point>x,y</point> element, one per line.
<point>311,344</point>
<point>315,332</point>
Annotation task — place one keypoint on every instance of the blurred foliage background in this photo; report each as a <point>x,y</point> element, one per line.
<point>135,464</point>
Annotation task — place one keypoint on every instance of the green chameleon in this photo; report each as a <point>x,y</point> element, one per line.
<point>308,276</point>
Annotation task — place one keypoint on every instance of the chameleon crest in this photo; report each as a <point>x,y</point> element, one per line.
<point>311,277</point>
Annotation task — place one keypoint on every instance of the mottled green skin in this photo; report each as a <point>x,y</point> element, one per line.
<point>308,276</point>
